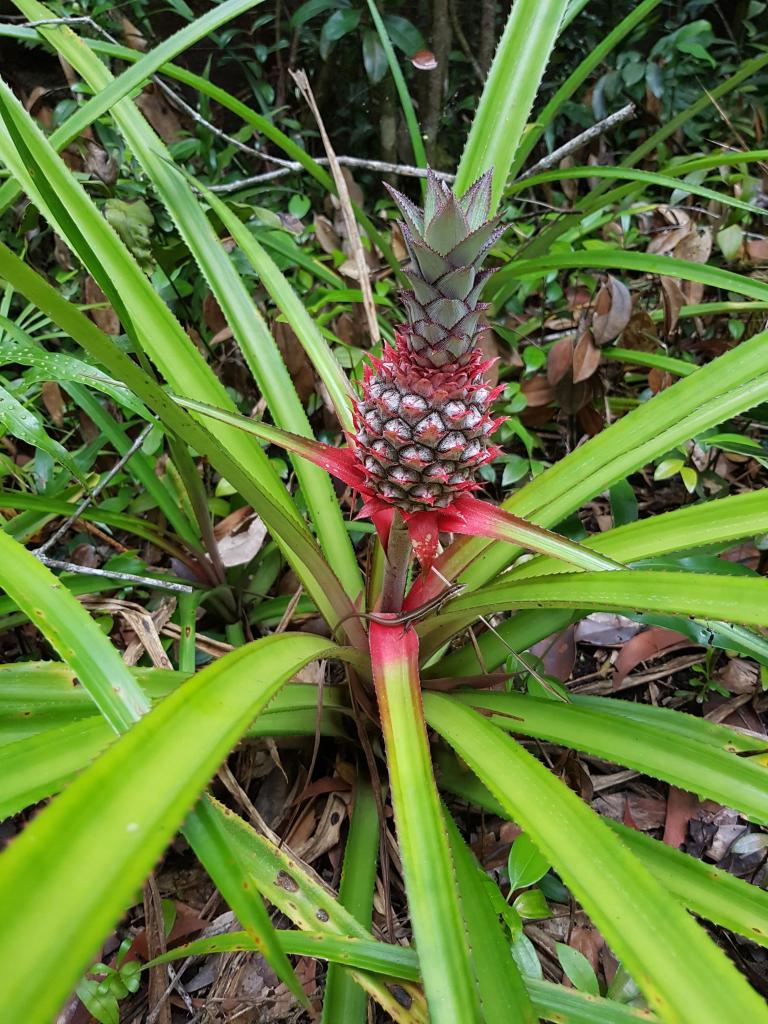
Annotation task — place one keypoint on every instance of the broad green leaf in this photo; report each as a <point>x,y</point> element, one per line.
<point>430,878</point>
<point>578,969</point>
<point>525,865</point>
<point>510,89</point>
<point>142,798</point>
<point>708,523</point>
<point>713,761</point>
<point>681,972</point>
<point>733,598</point>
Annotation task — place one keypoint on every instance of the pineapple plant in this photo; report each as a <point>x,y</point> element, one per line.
<point>425,420</point>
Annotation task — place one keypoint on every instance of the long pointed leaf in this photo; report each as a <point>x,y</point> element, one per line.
<point>683,975</point>
<point>429,872</point>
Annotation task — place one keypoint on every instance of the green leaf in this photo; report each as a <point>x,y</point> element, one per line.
<point>344,999</point>
<point>143,797</point>
<point>525,865</point>
<point>302,897</point>
<point>430,878</point>
<point>501,986</point>
<point>577,968</point>
<point>509,91</point>
<point>340,24</point>
<point>374,58</point>
<point>576,79</point>
<point>532,905</point>
<point>70,629</point>
<point>681,972</point>
<point>632,174</point>
<point>22,423</point>
<point>713,761</point>
<point>503,283</point>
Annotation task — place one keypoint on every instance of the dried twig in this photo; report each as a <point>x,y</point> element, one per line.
<point>126,577</point>
<point>291,166</point>
<point>595,130</point>
<point>345,202</point>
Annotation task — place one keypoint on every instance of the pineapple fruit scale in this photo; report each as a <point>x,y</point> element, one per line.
<point>424,422</point>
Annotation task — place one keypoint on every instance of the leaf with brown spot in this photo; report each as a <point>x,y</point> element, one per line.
<point>586,357</point>
<point>559,360</point>
<point>613,309</point>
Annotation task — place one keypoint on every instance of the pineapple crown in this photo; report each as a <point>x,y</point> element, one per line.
<point>447,241</point>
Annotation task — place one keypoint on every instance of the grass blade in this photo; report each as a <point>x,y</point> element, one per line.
<point>682,973</point>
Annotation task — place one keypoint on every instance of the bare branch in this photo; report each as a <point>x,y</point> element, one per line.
<point>595,130</point>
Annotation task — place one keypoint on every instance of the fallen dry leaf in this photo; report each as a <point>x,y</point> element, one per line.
<point>102,314</point>
<point>613,310</point>
<point>586,358</point>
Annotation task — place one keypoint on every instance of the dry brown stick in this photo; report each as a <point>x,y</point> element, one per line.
<point>345,202</point>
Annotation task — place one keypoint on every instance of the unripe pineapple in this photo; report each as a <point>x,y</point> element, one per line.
<point>424,421</point>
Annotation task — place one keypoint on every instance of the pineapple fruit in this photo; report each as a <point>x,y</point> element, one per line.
<point>424,422</point>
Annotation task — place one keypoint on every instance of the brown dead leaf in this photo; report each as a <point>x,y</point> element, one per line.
<point>676,224</point>
<point>659,380</point>
<point>613,309</point>
<point>325,234</point>
<point>573,397</point>
<point>641,648</point>
<point>559,360</point>
<point>673,299</point>
<point>99,164</point>
<point>102,314</point>
<point>640,333</point>
<point>132,37</point>
<point>558,655</point>
<point>295,358</point>
<point>158,111</point>
<point>588,941</point>
<point>396,243</point>
<point>740,676</point>
<point>586,357</point>
<point>212,315</point>
<point>681,807</point>
<point>756,250</point>
<point>695,246</point>
<point>53,401</point>
<point>239,537</point>
<point>537,391</point>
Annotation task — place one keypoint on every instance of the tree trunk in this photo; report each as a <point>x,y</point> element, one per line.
<point>437,79</point>
<point>487,42</point>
